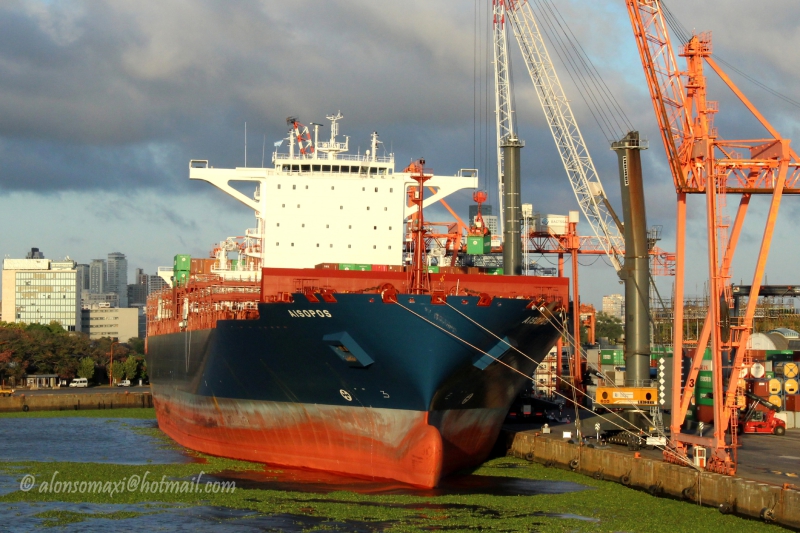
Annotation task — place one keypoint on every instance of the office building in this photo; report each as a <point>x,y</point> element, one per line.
<point>137,291</point>
<point>40,291</point>
<point>97,276</point>
<point>107,299</point>
<point>117,277</point>
<point>83,276</point>
<point>614,305</point>
<point>111,322</point>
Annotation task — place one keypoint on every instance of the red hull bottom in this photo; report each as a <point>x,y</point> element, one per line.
<point>363,442</point>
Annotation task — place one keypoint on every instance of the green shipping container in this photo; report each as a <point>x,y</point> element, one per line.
<point>433,269</point>
<point>181,278</point>
<point>365,268</point>
<point>479,244</point>
<point>612,357</point>
<point>705,381</point>
<point>769,375</point>
<point>234,264</point>
<point>182,263</point>
<point>779,356</point>
<point>347,266</point>
<point>494,271</point>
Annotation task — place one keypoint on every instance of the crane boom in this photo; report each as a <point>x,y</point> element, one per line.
<point>569,141</point>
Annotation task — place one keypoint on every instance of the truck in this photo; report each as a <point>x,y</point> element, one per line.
<point>5,391</point>
<point>756,420</point>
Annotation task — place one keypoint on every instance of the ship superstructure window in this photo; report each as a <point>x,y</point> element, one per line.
<point>295,168</point>
<point>306,168</point>
<point>315,168</point>
<point>294,187</point>
<point>331,187</point>
<point>391,189</point>
<point>376,189</point>
<point>336,168</point>
<point>279,185</point>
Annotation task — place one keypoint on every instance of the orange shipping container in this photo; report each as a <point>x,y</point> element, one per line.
<point>793,402</point>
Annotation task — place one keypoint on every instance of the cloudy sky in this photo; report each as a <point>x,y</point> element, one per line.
<point>103,104</point>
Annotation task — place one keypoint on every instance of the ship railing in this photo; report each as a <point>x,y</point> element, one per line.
<point>321,156</point>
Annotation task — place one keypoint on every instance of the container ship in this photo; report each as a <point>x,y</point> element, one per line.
<point>331,341</point>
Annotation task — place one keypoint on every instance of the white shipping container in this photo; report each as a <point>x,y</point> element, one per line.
<point>554,224</point>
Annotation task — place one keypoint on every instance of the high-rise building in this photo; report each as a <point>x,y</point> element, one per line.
<point>118,277</point>
<point>40,291</point>
<point>83,276</point>
<point>137,291</point>
<point>614,305</point>
<point>486,209</point>
<point>155,284</point>
<point>34,254</point>
<point>97,276</point>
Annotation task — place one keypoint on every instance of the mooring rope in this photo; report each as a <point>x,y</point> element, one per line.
<point>437,326</point>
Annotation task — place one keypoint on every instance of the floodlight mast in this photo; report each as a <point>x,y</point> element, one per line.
<point>569,141</point>
<point>504,104</point>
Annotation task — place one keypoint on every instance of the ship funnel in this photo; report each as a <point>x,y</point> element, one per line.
<point>512,240</point>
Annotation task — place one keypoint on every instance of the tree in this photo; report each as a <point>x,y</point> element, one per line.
<point>118,370</point>
<point>137,345</point>
<point>131,365</point>
<point>86,368</point>
<point>608,326</point>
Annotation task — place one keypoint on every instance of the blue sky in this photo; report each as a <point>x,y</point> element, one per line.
<point>103,104</point>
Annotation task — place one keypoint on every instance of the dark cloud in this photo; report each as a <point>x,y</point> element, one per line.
<point>115,97</point>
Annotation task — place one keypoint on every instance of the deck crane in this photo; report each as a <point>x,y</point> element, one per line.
<point>702,162</point>
<point>571,146</point>
<point>584,180</point>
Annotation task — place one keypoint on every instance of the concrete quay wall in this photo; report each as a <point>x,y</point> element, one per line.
<point>772,503</point>
<point>78,401</point>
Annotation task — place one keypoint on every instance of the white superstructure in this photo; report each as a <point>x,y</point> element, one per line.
<point>319,204</point>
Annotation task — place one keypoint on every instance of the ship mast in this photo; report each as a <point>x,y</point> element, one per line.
<point>420,281</point>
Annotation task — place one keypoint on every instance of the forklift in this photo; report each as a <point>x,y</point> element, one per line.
<point>756,420</point>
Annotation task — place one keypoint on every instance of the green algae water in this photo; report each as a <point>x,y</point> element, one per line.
<point>504,494</point>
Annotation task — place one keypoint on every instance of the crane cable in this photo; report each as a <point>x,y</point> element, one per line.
<point>684,35</point>
<point>584,73</point>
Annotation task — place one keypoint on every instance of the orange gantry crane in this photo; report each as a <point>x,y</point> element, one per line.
<point>702,162</point>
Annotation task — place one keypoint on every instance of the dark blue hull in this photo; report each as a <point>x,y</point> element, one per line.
<point>356,359</point>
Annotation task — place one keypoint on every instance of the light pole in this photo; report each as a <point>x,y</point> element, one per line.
<point>111,365</point>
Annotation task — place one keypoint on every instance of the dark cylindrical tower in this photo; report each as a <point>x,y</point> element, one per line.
<point>512,240</point>
<point>636,270</point>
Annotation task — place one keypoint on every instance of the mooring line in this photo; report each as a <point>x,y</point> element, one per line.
<point>572,386</point>
<point>437,326</point>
